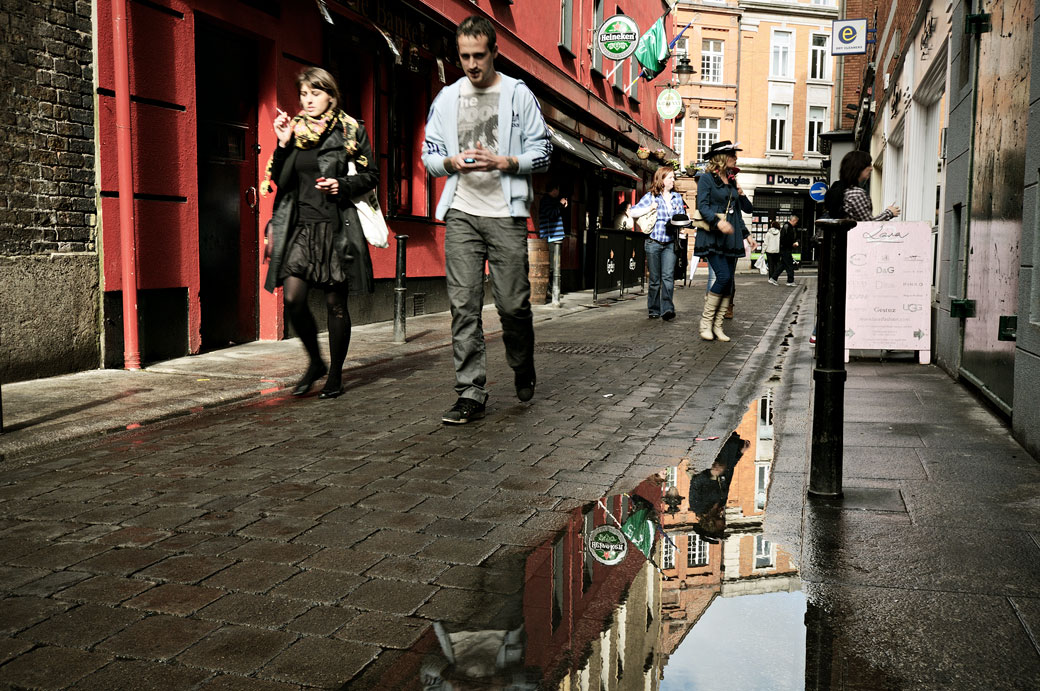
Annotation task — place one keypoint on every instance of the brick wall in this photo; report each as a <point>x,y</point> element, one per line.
<point>47,198</point>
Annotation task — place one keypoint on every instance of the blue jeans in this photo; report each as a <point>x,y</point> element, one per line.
<point>660,263</point>
<point>723,268</point>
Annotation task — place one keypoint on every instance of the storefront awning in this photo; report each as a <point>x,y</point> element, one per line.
<point>613,163</point>
<point>568,144</point>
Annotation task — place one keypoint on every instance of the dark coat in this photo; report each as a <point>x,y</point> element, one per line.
<point>348,238</point>
<point>787,237</point>
<point>713,196</point>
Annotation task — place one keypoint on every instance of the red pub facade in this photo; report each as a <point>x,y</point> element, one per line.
<point>205,78</point>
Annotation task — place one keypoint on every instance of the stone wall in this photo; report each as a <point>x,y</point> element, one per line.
<point>47,189</point>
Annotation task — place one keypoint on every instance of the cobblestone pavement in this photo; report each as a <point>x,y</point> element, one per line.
<point>299,543</point>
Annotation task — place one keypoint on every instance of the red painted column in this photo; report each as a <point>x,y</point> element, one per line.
<point>127,229</point>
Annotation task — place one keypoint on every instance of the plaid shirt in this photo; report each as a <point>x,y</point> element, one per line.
<point>666,208</point>
<point>858,206</point>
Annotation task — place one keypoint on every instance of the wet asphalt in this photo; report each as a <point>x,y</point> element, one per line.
<point>235,537</point>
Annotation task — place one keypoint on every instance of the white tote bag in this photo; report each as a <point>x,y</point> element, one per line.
<point>372,220</point>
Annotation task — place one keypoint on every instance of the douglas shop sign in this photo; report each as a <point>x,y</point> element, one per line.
<point>795,181</point>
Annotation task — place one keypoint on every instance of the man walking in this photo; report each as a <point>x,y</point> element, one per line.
<point>787,245</point>
<point>486,133</point>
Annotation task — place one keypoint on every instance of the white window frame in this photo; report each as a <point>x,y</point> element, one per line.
<point>764,550</point>
<point>679,137</point>
<point>704,135</point>
<point>785,135</point>
<point>681,50</point>
<point>567,25</point>
<point>788,61</point>
<point>711,73</point>
<point>825,57</point>
<point>696,551</point>
<point>821,128</point>
<point>761,484</point>
<point>634,70</point>
<point>668,553</point>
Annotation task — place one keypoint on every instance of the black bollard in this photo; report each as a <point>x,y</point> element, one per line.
<point>400,292</point>
<point>829,373</point>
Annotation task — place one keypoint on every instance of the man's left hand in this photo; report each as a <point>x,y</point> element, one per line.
<point>563,202</point>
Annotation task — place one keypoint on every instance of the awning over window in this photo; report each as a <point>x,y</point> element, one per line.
<point>567,144</point>
<point>613,163</point>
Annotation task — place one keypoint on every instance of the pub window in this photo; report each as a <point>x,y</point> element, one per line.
<point>634,70</point>
<point>567,25</point>
<point>707,134</point>
<point>678,135</point>
<point>817,119</point>
<point>597,22</point>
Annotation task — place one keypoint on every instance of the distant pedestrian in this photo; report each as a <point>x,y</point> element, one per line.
<point>661,242</point>
<point>550,214</point>
<point>314,238</point>
<point>720,201</point>
<point>622,221</point>
<point>772,249</point>
<point>786,259</point>
<point>486,133</point>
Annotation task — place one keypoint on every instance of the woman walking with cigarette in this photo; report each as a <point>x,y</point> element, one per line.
<point>314,238</point>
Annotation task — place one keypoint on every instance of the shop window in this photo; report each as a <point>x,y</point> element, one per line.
<point>707,134</point>
<point>778,115</point>
<point>818,57</point>
<point>711,61</point>
<point>781,55</point>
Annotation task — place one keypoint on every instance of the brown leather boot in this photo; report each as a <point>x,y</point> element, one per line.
<point>729,309</point>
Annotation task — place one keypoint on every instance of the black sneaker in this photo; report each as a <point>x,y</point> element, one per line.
<point>524,381</point>
<point>464,410</point>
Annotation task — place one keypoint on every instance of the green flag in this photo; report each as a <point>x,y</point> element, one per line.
<point>653,51</point>
<point>640,531</point>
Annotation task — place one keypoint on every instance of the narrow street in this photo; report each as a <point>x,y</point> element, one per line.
<point>285,543</point>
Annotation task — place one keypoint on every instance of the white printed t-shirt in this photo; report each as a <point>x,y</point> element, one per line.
<point>480,193</point>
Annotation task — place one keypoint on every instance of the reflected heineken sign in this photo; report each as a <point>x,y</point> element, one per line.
<point>618,37</point>
<point>607,545</point>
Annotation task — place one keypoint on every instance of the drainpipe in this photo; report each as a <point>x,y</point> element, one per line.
<point>127,230</point>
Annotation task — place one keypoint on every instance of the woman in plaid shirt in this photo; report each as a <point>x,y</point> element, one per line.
<point>660,243</point>
<point>855,170</point>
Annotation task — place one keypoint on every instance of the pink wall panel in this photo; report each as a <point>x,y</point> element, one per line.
<point>163,142</point>
<point>167,255</point>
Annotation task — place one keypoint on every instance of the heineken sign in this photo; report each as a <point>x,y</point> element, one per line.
<point>618,37</point>
<point>607,545</point>
<point>669,104</point>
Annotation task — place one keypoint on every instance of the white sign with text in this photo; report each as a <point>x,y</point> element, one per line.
<point>889,287</point>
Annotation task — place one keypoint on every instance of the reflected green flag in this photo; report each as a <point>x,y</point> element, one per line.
<point>653,52</point>
<point>640,531</point>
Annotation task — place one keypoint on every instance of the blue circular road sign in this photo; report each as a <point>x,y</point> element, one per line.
<point>818,191</point>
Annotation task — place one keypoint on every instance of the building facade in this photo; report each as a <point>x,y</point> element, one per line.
<point>204,79</point>
<point>786,94</point>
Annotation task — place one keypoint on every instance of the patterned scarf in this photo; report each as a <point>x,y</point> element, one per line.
<point>308,131</point>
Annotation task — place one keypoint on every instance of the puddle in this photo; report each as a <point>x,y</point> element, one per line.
<point>673,586</point>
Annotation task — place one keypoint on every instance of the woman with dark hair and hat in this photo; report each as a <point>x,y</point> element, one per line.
<point>660,245</point>
<point>314,238</point>
<point>720,201</point>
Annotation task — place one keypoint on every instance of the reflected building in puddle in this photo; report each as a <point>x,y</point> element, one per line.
<point>639,613</point>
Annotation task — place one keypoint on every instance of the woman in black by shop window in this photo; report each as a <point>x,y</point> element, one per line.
<point>314,238</point>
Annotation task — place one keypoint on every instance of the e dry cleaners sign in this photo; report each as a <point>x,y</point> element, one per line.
<point>793,181</point>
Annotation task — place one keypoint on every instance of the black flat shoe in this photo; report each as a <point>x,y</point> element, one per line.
<point>330,393</point>
<point>668,316</point>
<point>313,374</point>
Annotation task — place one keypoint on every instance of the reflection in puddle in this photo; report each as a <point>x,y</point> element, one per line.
<point>672,586</point>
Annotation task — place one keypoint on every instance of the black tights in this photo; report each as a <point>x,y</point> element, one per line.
<point>295,298</point>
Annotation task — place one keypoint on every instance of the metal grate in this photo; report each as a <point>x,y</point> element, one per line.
<point>600,349</point>
<point>418,304</point>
